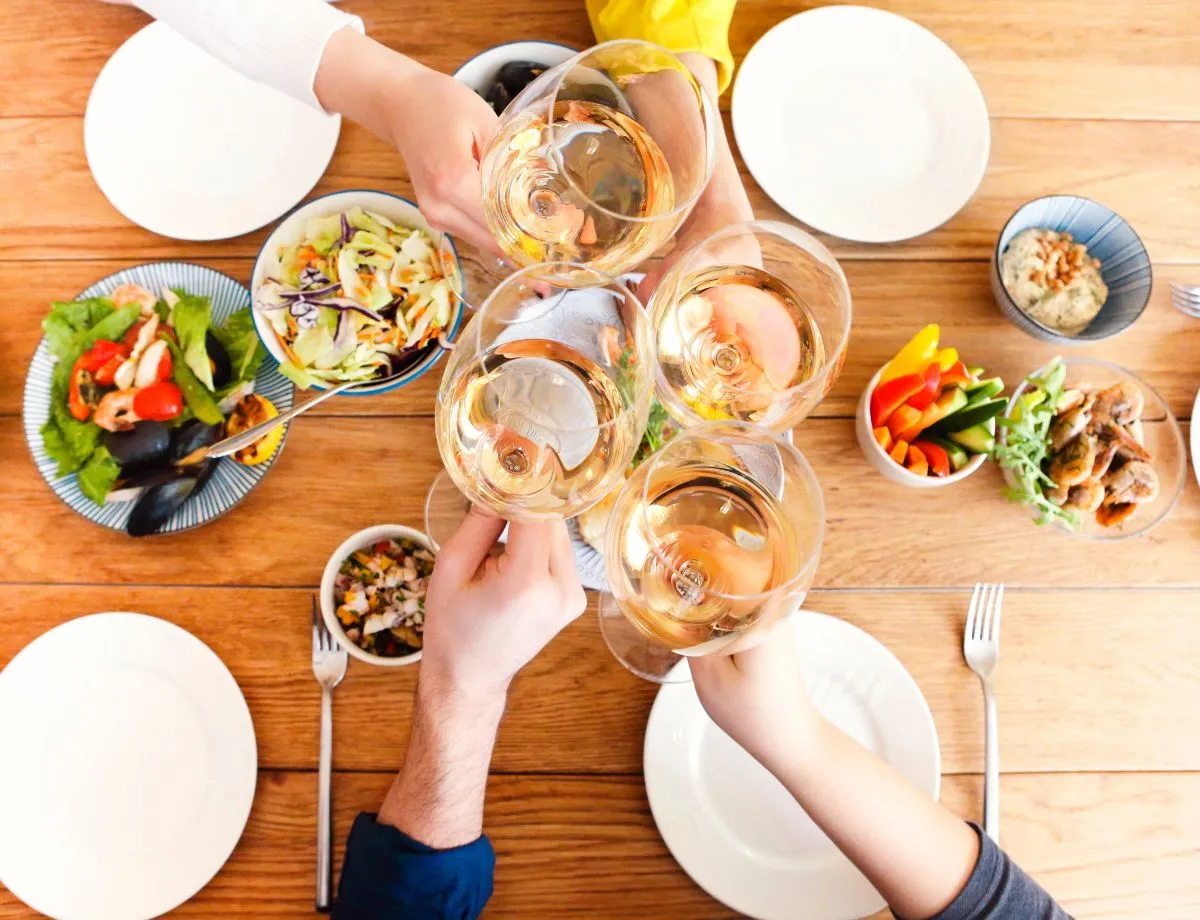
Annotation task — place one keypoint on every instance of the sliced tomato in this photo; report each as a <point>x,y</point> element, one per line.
<point>159,402</point>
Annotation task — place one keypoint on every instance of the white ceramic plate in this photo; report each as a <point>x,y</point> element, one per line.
<point>861,123</point>
<point>1195,437</point>
<point>128,772</point>
<point>734,828</point>
<point>182,145</point>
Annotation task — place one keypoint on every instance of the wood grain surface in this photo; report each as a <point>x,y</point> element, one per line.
<point>1101,666</point>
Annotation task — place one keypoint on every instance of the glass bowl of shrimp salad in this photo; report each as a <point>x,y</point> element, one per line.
<point>1092,449</point>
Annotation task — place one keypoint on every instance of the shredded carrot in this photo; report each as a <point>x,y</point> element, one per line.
<point>287,350</point>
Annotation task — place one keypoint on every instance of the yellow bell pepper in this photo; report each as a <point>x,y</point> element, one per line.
<point>914,357</point>
<point>947,358</point>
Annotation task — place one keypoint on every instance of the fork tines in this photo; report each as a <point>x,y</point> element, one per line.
<point>1186,299</point>
<point>983,616</point>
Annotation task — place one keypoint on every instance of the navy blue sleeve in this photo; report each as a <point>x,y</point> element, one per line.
<point>387,875</point>
<point>998,889</point>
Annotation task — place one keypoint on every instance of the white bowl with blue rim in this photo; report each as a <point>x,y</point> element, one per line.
<point>231,481</point>
<point>401,212</point>
<point>480,72</point>
<point>1124,264</point>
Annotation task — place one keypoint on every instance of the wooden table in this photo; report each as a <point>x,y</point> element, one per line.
<point>1099,688</point>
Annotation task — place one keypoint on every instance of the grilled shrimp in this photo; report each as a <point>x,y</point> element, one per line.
<point>115,411</point>
<point>1073,464</point>
<point>126,294</point>
<point>1085,497</point>
<point>1136,481</point>
<point>1121,403</point>
<point>1070,424</point>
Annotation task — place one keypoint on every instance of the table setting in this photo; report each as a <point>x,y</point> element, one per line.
<point>937,379</point>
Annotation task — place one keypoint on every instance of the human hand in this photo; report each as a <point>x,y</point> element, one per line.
<point>488,616</point>
<point>758,698</point>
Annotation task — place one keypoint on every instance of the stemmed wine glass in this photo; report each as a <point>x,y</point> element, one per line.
<point>752,324</point>
<point>598,160</point>
<point>544,398</point>
<point>712,540</point>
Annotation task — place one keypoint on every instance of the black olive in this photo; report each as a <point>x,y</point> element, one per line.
<point>498,98</point>
<point>516,75</point>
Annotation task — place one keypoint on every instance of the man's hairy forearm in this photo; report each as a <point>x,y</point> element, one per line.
<point>437,798</point>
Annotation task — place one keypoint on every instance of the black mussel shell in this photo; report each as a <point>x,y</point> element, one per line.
<point>218,357</point>
<point>191,436</point>
<point>144,445</point>
<point>498,98</point>
<point>516,75</point>
<point>156,505</point>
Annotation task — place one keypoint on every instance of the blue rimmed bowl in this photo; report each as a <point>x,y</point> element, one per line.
<point>399,211</point>
<point>479,72</point>
<point>1124,264</point>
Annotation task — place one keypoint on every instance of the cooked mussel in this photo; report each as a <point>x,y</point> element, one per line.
<point>145,445</point>
<point>497,97</point>
<point>158,502</point>
<point>516,75</point>
<point>190,437</point>
<point>218,359</point>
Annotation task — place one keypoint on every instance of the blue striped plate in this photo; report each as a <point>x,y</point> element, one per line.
<point>231,481</point>
<point>1124,264</point>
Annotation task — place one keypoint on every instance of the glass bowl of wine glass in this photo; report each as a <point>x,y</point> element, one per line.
<point>752,325</point>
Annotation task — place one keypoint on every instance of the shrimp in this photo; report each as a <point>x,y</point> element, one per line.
<point>1127,446</point>
<point>1136,481</point>
<point>1105,453</point>
<point>1108,515</point>
<point>1070,399</point>
<point>115,412</point>
<point>1070,424</point>
<point>1073,464</point>
<point>1085,497</point>
<point>128,294</point>
<point>1121,403</point>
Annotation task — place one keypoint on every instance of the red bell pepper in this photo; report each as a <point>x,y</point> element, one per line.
<point>891,395</point>
<point>929,392</point>
<point>902,420</point>
<point>939,460</point>
<point>957,375</point>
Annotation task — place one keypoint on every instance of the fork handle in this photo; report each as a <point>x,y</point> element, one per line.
<point>991,780</point>
<point>324,795</point>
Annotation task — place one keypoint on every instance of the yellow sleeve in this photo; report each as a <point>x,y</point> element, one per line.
<point>678,25</point>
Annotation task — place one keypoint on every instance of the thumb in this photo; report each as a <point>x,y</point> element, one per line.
<point>461,556</point>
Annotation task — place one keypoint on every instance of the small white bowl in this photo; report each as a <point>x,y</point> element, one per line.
<point>479,72</point>
<point>886,465</point>
<point>329,608</point>
<point>399,211</point>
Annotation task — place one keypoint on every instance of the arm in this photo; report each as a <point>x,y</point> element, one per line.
<point>923,860</point>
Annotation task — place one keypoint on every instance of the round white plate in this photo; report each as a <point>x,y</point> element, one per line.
<point>128,772</point>
<point>1195,437</point>
<point>861,123</point>
<point>187,148</point>
<point>735,829</point>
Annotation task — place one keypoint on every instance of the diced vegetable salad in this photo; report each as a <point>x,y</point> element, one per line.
<point>380,596</point>
<point>930,412</point>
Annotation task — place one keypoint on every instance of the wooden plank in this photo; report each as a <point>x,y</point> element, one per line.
<point>282,531</point>
<point>1091,680</point>
<point>1116,847</point>
<point>891,300</point>
<point>1059,59</point>
<point>1127,165</point>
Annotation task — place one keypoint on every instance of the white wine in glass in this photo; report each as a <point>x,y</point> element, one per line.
<point>752,325</point>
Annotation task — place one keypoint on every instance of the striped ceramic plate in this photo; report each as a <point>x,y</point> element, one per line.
<point>231,480</point>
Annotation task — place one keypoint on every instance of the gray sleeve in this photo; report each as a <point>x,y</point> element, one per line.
<point>999,890</point>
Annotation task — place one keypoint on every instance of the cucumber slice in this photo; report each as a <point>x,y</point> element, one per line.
<point>972,414</point>
<point>958,456</point>
<point>985,389</point>
<point>977,439</point>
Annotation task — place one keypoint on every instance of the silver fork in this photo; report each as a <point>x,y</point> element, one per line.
<point>329,667</point>
<point>1186,298</point>
<point>981,648</point>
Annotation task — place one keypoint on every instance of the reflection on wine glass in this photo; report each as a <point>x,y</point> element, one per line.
<point>599,159</point>
<point>713,539</point>
<point>544,398</point>
<point>752,324</point>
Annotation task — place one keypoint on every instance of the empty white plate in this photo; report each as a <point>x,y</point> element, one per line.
<point>735,829</point>
<point>128,771</point>
<point>187,148</point>
<point>861,123</point>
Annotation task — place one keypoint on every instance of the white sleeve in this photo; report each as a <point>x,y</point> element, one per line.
<point>277,42</point>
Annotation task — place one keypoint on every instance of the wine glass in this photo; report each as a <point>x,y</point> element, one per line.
<point>544,398</point>
<point>752,324</point>
<point>599,159</point>
<point>712,540</point>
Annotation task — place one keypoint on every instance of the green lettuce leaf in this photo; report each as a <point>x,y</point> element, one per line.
<point>66,320</point>
<point>191,317</point>
<point>98,475</point>
<point>68,441</point>
<point>242,344</point>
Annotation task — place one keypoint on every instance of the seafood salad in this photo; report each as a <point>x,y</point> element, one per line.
<point>379,593</point>
<point>1078,451</point>
<point>355,298</point>
<point>142,383</point>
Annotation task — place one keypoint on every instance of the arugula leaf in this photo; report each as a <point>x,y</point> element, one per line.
<point>240,339</point>
<point>98,475</point>
<point>191,317</point>
<point>195,394</point>
<point>66,320</point>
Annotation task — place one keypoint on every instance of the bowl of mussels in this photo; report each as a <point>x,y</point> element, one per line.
<point>500,73</point>
<point>134,381</point>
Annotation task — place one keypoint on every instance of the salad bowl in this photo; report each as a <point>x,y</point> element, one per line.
<point>293,229</point>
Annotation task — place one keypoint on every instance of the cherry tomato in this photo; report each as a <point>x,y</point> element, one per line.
<point>159,402</point>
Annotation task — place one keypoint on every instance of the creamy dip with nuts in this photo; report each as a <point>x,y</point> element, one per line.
<point>1053,280</point>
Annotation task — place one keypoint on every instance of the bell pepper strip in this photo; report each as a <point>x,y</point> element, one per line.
<point>903,420</point>
<point>884,437</point>
<point>957,375</point>
<point>899,451</point>
<point>890,396</point>
<point>106,374</point>
<point>929,392</point>
<point>913,357</point>
<point>82,393</point>
<point>939,460</point>
<point>946,358</point>
<point>916,462</point>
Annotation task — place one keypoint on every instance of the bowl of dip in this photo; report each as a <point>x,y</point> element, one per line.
<point>1069,270</point>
